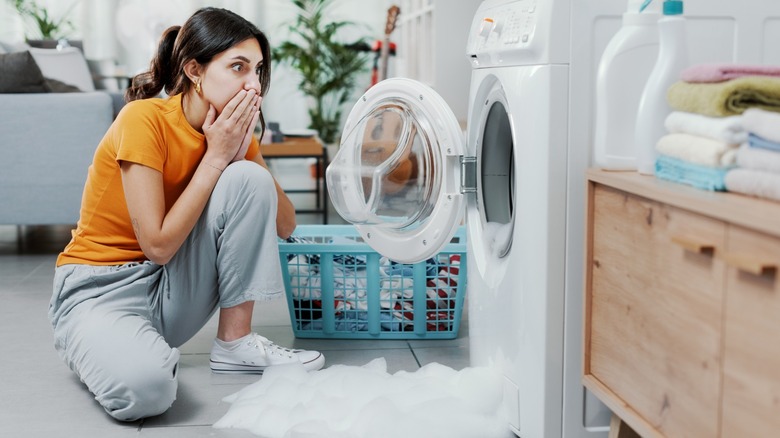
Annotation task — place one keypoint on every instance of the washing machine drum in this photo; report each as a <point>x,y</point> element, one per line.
<point>397,172</point>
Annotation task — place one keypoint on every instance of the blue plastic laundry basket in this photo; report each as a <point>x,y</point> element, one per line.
<point>338,287</point>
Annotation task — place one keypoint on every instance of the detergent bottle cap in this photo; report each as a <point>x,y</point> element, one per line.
<point>673,7</point>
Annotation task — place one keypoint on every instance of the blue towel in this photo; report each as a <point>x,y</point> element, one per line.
<point>762,143</point>
<point>407,270</point>
<point>684,172</point>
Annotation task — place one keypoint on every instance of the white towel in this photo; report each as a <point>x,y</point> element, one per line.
<point>754,182</point>
<point>765,124</point>
<point>725,129</point>
<point>758,159</point>
<point>698,150</point>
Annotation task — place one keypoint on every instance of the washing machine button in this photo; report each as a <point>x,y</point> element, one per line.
<point>486,27</point>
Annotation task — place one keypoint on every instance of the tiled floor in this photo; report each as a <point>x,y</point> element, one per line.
<point>41,397</point>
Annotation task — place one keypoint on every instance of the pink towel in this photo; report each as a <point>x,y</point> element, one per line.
<point>700,73</point>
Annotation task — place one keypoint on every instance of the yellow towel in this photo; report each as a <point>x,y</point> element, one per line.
<point>726,98</point>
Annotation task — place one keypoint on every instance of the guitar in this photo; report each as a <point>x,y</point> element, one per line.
<point>392,17</point>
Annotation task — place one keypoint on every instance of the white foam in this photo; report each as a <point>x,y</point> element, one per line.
<point>357,402</point>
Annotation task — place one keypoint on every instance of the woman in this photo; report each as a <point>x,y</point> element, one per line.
<point>179,217</point>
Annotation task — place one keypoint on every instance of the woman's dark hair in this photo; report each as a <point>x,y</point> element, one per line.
<point>206,34</point>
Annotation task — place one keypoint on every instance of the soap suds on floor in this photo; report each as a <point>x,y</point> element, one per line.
<point>358,402</point>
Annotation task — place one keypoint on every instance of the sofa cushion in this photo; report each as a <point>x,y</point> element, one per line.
<point>66,65</point>
<point>21,74</point>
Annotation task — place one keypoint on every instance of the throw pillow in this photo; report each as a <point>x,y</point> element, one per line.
<point>55,86</point>
<point>67,65</point>
<point>20,74</point>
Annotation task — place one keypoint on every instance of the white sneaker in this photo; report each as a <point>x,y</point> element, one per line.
<point>255,353</point>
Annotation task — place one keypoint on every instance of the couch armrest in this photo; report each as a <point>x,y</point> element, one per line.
<point>47,142</point>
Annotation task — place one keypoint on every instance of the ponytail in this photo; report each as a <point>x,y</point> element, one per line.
<point>161,75</point>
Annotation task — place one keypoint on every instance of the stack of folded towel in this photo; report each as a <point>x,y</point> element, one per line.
<point>706,126</point>
<point>758,159</point>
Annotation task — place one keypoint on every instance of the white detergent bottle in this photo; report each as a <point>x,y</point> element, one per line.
<point>623,72</point>
<point>653,106</point>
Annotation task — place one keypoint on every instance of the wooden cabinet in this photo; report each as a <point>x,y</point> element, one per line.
<point>751,366</point>
<point>681,306</point>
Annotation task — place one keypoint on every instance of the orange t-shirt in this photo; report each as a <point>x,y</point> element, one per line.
<point>154,133</point>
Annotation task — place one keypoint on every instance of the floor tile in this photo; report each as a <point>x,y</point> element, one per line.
<point>397,359</point>
<point>454,357</point>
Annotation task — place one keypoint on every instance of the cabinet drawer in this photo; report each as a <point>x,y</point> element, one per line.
<point>751,365</point>
<point>655,310</point>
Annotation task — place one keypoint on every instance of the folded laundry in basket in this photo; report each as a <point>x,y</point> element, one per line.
<point>724,72</point>
<point>679,171</point>
<point>725,129</point>
<point>765,124</point>
<point>443,288</point>
<point>697,150</point>
<point>758,159</point>
<point>726,98</point>
<point>754,182</point>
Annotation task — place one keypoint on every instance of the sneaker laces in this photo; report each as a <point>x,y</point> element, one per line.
<point>269,347</point>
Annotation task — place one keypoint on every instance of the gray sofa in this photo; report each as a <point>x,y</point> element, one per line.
<point>46,145</point>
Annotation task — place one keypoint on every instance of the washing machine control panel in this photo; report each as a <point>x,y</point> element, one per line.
<point>516,32</point>
<point>509,26</point>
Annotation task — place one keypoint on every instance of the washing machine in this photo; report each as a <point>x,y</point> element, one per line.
<point>407,177</point>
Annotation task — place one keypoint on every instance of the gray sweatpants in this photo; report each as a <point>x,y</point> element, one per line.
<point>118,327</point>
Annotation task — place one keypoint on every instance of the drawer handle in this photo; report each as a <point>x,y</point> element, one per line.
<point>694,245</point>
<point>750,264</point>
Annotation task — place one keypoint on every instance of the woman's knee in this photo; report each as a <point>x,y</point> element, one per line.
<point>142,390</point>
<point>245,180</point>
<point>248,171</point>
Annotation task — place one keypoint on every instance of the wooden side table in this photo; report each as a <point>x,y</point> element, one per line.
<point>300,147</point>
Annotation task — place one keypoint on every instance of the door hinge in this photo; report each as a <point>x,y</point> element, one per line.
<point>468,174</point>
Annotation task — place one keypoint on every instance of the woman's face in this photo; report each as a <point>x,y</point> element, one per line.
<point>231,71</point>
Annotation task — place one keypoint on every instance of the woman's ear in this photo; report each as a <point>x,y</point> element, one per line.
<point>193,71</point>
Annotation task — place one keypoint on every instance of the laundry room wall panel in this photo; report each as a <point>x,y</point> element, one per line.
<point>711,39</point>
<point>770,45</point>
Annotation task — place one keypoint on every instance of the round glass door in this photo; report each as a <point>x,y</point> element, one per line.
<point>396,175</point>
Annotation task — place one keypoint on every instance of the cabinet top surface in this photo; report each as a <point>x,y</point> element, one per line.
<point>753,213</point>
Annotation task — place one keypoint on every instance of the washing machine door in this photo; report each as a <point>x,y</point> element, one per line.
<point>396,175</point>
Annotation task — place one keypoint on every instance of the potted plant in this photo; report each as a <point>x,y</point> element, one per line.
<point>49,27</point>
<point>329,67</point>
